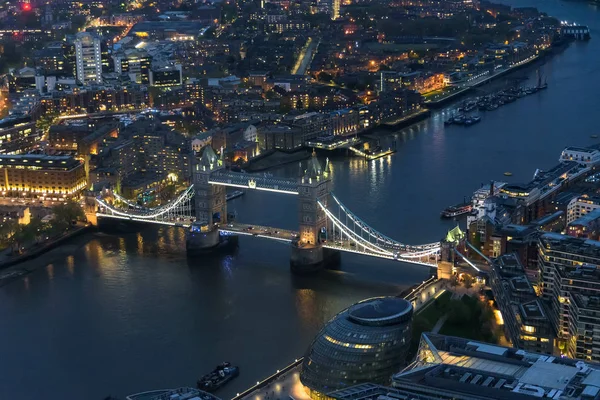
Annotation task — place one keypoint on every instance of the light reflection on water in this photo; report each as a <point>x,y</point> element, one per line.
<point>135,307</point>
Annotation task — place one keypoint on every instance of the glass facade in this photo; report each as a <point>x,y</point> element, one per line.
<point>367,342</point>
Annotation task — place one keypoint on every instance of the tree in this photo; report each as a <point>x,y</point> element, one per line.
<point>468,281</point>
<point>454,281</point>
<point>7,229</point>
<point>66,213</point>
<point>324,77</point>
<point>459,312</point>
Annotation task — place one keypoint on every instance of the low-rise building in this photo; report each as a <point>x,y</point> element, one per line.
<point>17,135</point>
<point>35,175</point>
<point>280,137</point>
<point>582,205</point>
<point>587,226</point>
<point>201,140</point>
<point>143,186</point>
<point>454,368</point>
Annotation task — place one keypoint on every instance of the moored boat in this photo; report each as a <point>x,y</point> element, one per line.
<point>456,210</point>
<point>216,379</point>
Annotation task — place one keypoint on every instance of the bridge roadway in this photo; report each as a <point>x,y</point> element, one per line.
<point>266,232</point>
<point>254,181</point>
<point>287,236</point>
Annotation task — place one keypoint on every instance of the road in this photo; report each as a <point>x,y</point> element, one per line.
<point>306,56</point>
<point>259,231</point>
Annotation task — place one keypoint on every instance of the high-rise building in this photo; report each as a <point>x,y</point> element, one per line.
<point>335,9</point>
<point>88,58</point>
<point>570,285</point>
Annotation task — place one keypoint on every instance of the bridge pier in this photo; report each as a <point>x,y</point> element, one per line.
<point>307,259</point>
<point>202,241</point>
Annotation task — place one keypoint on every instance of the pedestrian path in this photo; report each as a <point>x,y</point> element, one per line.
<point>438,325</point>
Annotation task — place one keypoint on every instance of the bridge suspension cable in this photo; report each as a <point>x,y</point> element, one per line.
<point>352,235</point>
<point>129,203</point>
<point>418,250</point>
<point>180,207</point>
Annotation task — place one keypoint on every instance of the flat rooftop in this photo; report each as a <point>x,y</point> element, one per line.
<point>459,368</point>
<point>39,160</point>
<point>568,244</point>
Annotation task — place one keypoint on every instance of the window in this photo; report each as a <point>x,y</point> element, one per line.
<point>529,329</point>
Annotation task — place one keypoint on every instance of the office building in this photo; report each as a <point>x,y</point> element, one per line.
<point>367,342</point>
<point>135,63</point>
<point>453,368</point>
<point>570,285</point>
<point>168,75</point>
<point>34,175</point>
<point>88,58</point>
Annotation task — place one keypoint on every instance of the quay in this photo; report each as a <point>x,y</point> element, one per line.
<point>373,156</point>
<point>467,87</point>
<point>282,385</point>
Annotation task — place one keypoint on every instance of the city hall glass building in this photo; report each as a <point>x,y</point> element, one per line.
<point>366,342</point>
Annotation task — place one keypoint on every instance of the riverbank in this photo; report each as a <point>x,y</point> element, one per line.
<point>13,266</point>
<point>274,159</point>
<point>407,120</point>
<point>470,87</point>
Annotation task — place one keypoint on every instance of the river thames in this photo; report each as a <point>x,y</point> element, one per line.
<point>118,314</point>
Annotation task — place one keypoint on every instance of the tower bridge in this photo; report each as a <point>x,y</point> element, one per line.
<point>326,226</point>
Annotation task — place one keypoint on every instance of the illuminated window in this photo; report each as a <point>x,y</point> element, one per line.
<point>529,329</point>
<point>353,345</point>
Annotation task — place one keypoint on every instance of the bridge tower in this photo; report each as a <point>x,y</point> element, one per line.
<point>314,186</point>
<point>210,203</point>
<point>447,262</point>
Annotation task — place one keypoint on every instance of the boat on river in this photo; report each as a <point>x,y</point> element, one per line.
<point>220,376</point>
<point>456,210</point>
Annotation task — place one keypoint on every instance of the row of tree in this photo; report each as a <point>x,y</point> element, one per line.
<point>15,235</point>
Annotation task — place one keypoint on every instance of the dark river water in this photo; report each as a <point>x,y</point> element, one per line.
<point>118,314</point>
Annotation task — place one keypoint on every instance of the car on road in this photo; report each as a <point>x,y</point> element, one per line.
<point>249,228</point>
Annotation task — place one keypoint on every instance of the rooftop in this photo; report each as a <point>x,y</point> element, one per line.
<point>39,160</point>
<point>532,309</point>
<point>379,310</point>
<point>568,244</point>
<point>461,368</point>
<point>587,219</point>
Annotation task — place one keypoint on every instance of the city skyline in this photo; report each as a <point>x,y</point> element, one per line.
<point>274,187</point>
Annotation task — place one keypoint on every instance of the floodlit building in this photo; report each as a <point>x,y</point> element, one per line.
<point>367,342</point>
<point>34,175</point>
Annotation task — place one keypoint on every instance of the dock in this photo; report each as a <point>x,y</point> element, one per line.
<point>372,156</point>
